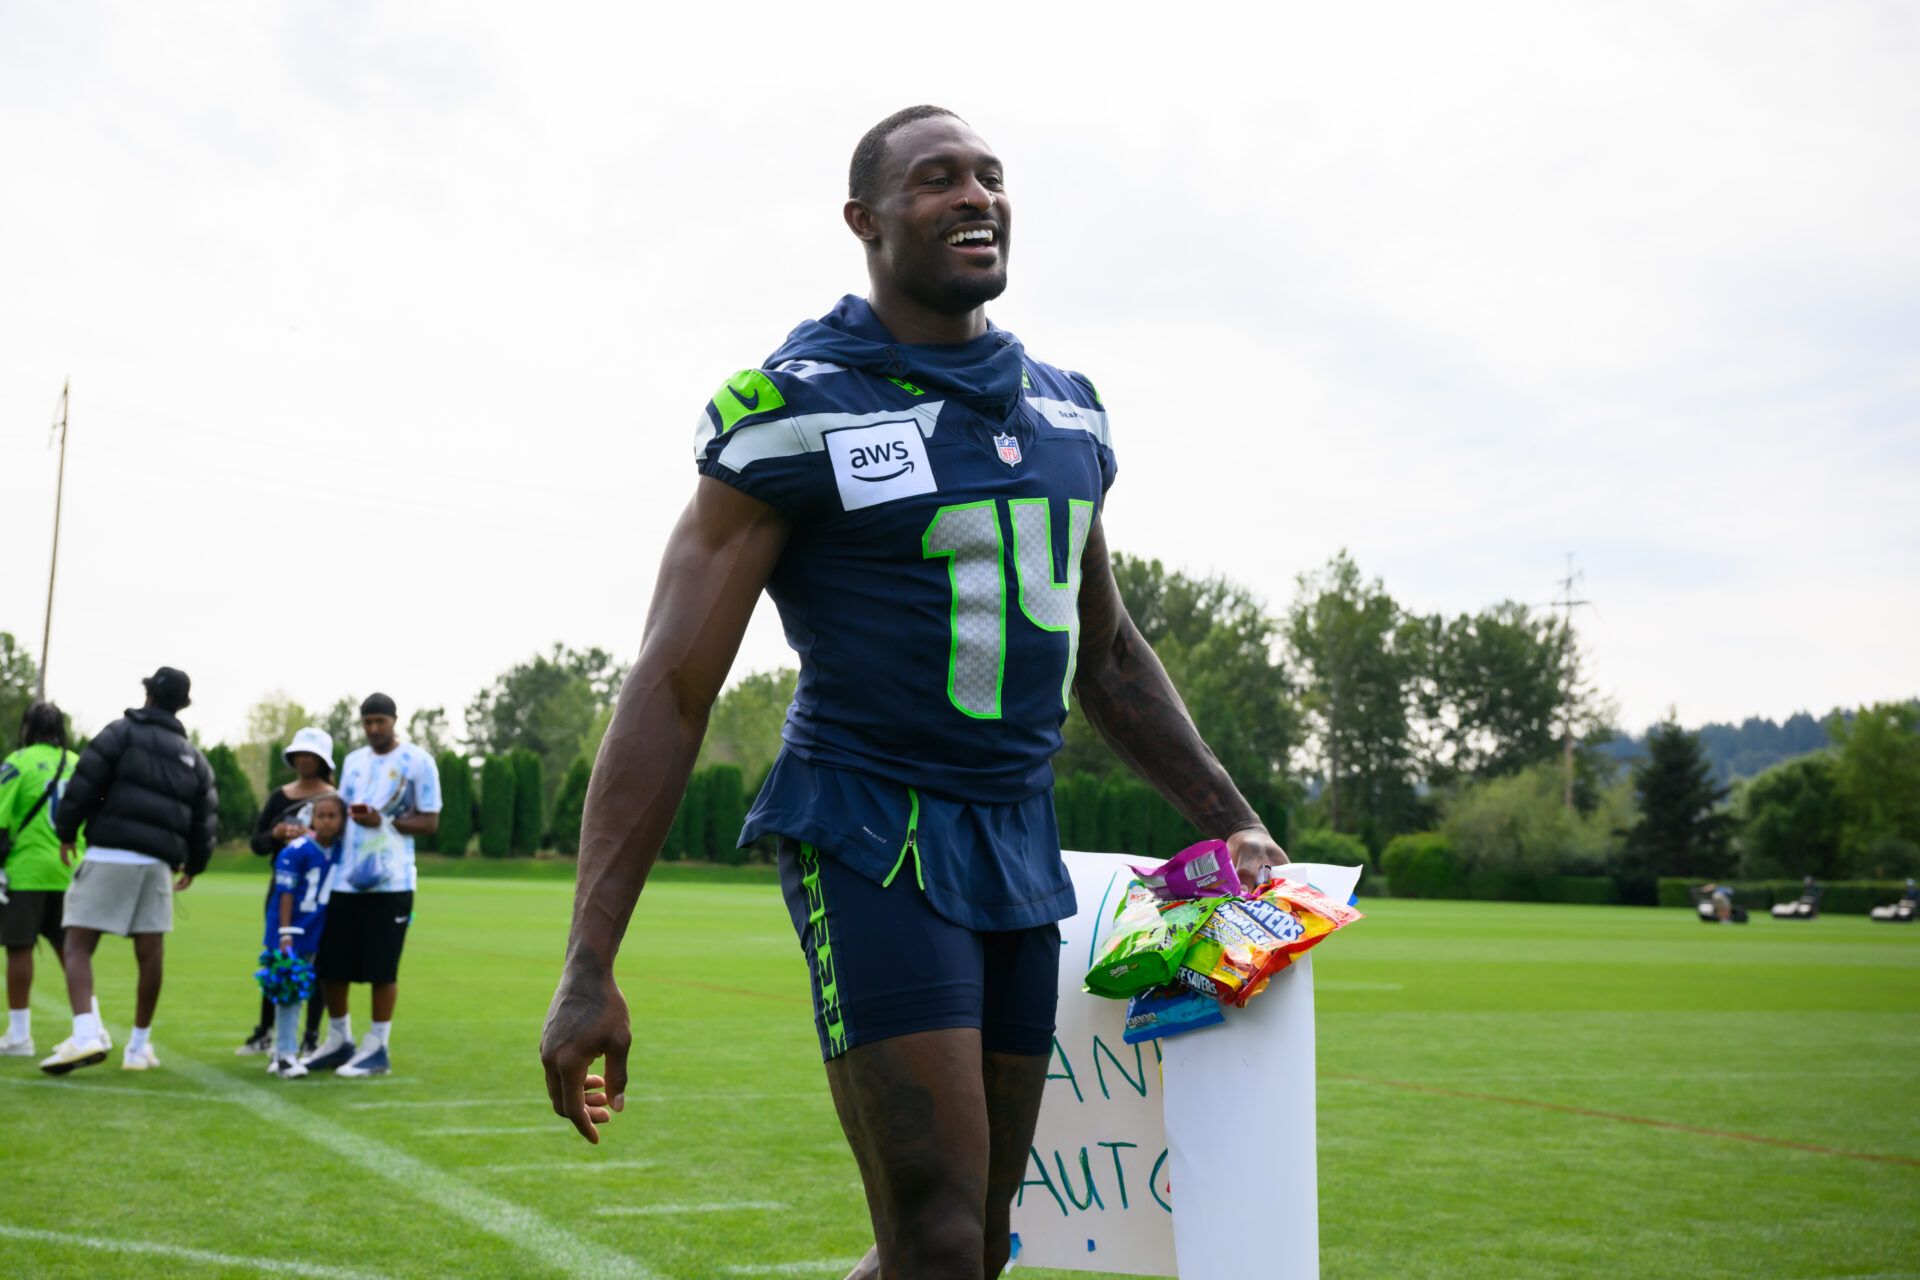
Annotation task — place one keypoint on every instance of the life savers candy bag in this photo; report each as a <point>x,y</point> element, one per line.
<point>1148,940</point>
<point>1247,941</point>
<point>1169,1011</point>
<point>1203,870</point>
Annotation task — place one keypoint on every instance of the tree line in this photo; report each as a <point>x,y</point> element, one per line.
<point>1350,720</point>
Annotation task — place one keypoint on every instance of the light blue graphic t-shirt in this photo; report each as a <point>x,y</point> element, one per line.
<point>404,780</point>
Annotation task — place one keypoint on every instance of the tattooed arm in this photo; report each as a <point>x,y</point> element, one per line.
<point>1128,698</point>
<point>716,562</point>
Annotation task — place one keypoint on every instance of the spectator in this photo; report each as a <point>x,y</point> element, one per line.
<point>297,913</point>
<point>392,791</point>
<point>284,818</point>
<point>146,798</point>
<point>33,879</point>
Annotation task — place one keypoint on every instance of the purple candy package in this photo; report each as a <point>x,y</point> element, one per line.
<point>1203,870</point>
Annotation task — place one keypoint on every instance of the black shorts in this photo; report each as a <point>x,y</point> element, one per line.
<point>363,935</point>
<point>31,914</point>
<point>883,963</point>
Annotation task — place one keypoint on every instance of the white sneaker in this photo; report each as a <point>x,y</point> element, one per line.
<point>142,1059</point>
<point>290,1067</point>
<point>16,1047</point>
<point>334,1051</point>
<point>71,1053</point>
<point>368,1062</point>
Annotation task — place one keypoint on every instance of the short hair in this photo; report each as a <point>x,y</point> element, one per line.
<point>43,723</point>
<point>872,147</point>
<point>331,797</point>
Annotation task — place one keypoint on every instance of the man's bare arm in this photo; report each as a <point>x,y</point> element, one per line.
<point>1129,699</point>
<point>716,563</point>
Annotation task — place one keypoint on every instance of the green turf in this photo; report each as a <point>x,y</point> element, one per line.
<point>1804,1033</point>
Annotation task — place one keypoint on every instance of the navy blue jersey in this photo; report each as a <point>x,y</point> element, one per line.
<point>304,870</point>
<point>940,498</point>
<point>931,584</point>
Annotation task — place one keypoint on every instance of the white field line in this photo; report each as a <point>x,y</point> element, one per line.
<point>255,1266</point>
<point>584,1165</point>
<point>84,1080</point>
<point>834,1267</point>
<point>662,1210</point>
<point>557,1128</point>
<point>549,1246</point>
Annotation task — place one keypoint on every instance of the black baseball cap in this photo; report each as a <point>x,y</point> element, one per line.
<point>378,704</point>
<point>169,687</point>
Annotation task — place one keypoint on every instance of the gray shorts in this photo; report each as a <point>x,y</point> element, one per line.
<point>116,897</point>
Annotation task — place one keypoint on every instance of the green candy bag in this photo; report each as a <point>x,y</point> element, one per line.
<point>1148,942</point>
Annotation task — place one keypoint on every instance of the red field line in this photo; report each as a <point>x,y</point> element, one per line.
<point>1760,1138</point>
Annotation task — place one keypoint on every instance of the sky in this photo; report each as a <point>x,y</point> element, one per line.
<point>387,324</point>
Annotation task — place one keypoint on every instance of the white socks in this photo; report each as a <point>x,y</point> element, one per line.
<point>20,1024</point>
<point>86,1027</point>
<point>340,1028</point>
<point>376,1035</point>
<point>138,1040</point>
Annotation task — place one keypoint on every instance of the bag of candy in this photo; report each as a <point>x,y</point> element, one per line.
<point>1203,870</point>
<point>1148,940</point>
<point>1169,1011</point>
<point>1248,940</point>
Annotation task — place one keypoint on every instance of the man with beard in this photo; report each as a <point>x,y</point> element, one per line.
<point>921,498</point>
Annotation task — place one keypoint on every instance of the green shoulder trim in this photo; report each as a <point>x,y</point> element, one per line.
<point>746,392</point>
<point>907,387</point>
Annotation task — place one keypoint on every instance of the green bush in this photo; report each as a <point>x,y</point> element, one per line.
<point>726,803</point>
<point>237,806</point>
<point>529,801</point>
<point>496,807</point>
<point>1322,844</point>
<point>280,773</point>
<point>696,833</point>
<point>1422,865</point>
<point>456,804</point>
<point>569,804</point>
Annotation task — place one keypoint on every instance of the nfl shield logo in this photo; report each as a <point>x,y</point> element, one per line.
<point>1009,449</point>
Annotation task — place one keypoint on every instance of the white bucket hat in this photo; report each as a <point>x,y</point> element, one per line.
<point>314,741</point>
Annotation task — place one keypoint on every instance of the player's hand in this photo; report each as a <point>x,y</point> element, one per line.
<point>1253,850</point>
<point>287,832</point>
<point>184,883</point>
<point>66,853</point>
<point>365,815</point>
<point>587,1020</point>
<point>286,943</point>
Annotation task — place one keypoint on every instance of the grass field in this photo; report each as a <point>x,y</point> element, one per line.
<point>1506,1090</point>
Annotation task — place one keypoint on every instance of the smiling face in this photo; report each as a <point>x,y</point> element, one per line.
<point>938,224</point>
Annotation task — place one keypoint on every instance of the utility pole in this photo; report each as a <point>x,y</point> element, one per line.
<point>59,492</point>
<point>1569,664</point>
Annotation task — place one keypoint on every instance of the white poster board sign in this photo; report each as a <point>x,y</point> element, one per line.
<point>1119,1128</point>
<point>1095,1196</point>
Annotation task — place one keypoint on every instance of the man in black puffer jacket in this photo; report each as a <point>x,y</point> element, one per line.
<point>145,795</point>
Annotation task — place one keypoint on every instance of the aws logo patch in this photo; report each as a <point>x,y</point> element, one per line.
<point>879,463</point>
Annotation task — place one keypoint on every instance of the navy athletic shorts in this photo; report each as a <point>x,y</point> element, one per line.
<point>883,963</point>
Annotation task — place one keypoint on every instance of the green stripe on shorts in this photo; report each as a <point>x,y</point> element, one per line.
<point>822,952</point>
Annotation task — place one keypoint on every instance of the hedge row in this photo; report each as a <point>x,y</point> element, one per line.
<point>1424,865</point>
<point>1837,897</point>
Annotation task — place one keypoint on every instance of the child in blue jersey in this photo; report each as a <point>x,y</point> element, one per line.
<point>302,882</point>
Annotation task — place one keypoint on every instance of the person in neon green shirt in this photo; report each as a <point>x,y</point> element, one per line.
<point>36,877</point>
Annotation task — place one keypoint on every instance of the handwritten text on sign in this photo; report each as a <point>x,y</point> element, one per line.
<point>1096,1196</point>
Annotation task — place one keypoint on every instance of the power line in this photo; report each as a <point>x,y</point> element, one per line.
<point>53,565</point>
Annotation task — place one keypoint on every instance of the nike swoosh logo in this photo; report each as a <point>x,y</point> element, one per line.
<point>750,404</point>
<point>877,479</point>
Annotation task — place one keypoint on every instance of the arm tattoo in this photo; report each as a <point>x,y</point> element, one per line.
<point>1129,699</point>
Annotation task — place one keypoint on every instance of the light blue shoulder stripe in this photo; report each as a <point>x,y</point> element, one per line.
<point>1068,416</point>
